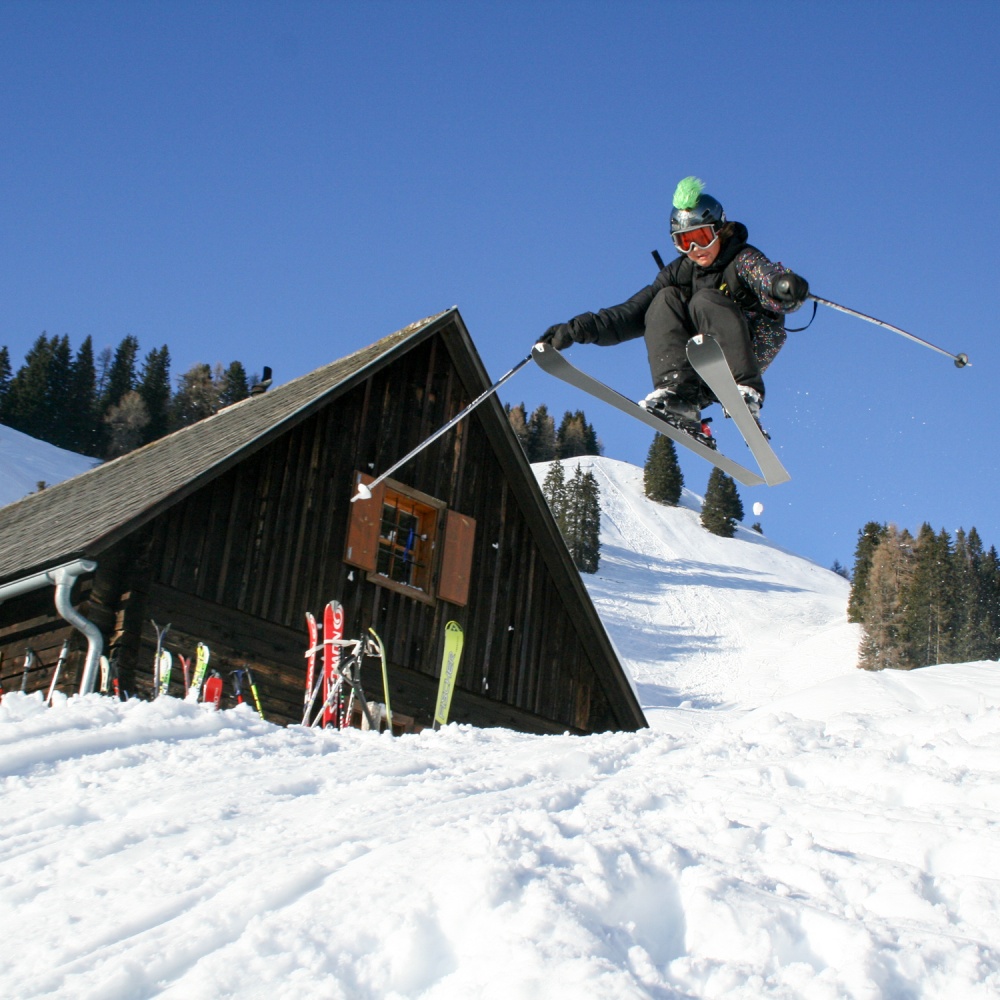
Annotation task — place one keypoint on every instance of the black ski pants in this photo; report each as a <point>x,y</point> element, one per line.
<point>672,319</point>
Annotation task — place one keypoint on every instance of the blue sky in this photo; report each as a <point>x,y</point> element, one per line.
<point>284,183</point>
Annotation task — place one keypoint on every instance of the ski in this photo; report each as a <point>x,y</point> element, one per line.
<point>380,646</point>
<point>213,689</point>
<point>186,671</point>
<point>709,362</point>
<point>202,656</point>
<point>164,666</point>
<point>553,363</point>
<point>313,630</point>
<point>333,630</point>
<point>161,634</point>
<point>454,639</point>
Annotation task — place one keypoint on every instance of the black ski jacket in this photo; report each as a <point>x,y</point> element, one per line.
<point>740,270</point>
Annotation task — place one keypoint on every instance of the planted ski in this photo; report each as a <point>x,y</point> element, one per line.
<point>454,638</point>
<point>202,656</point>
<point>333,631</point>
<point>380,646</point>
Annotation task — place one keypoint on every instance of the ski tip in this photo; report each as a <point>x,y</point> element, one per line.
<point>363,493</point>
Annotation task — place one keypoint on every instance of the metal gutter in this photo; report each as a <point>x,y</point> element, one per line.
<point>63,578</point>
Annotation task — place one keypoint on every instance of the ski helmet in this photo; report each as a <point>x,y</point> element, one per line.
<point>693,208</point>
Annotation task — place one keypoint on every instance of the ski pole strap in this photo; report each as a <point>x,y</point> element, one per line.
<point>799,329</point>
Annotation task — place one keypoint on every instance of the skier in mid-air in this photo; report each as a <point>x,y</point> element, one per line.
<point>721,286</point>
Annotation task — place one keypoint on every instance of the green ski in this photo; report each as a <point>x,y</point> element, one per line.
<point>453,640</point>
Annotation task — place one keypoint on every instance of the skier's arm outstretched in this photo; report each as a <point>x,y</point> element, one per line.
<point>611,326</point>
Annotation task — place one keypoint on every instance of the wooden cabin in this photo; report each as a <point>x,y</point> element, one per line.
<point>231,529</point>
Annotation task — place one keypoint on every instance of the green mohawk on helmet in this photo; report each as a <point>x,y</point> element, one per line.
<point>688,192</point>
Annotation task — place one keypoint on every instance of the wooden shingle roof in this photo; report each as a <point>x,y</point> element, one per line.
<point>84,514</point>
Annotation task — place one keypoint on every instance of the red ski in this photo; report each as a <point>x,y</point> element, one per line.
<point>333,631</point>
<point>213,689</point>
<point>311,652</point>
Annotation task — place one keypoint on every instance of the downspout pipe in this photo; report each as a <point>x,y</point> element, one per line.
<point>63,578</point>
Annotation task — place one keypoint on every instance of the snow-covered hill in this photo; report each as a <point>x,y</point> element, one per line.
<point>26,462</point>
<point>706,620</point>
<point>790,826</point>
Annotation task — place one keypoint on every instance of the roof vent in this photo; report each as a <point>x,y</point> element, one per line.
<point>259,388</point>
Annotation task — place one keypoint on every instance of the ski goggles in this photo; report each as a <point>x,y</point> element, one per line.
<point>701,238</point>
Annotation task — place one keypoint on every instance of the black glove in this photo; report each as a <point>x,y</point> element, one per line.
<point>790,290</point>
<point>559,336</point>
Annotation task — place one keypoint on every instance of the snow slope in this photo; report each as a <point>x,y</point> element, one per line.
<point>708,620</point>
<point>25,462</point>
<point>790,826</point>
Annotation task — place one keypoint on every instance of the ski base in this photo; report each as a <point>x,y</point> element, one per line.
<point>709,362</point>
<point>553,363</point>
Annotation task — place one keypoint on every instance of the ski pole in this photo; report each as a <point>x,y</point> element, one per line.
<point>55,673</point>
<point>961,360</point>
<point>237,684</point>
<point>365,492</point>
<point>254,692</point>
<point>29,660</point>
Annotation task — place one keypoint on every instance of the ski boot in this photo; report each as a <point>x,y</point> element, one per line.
<point>684,414</point>
<point>753,400</point>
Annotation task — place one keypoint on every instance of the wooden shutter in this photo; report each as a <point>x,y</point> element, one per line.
<point>456,559</point>
<point>363,522</point>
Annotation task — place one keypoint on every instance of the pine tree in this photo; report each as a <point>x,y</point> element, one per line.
<point>154,389</point>
<point>575,436</point>
<point>5,372</point>
<point>926,630</point>
<point>517,415</point>
<point>840,569</point>
<point>583,520</point>
<point>234,385</point>
<point>197,396</point>
<point>86,436</point>
<point>589,553</point>
<point>554,491</point>
<point>663,480</point>
<point>989,576</point>
<point>121,378</point>
<point>102,367</point>
<point>971,603</point>
<point>881,643</point>
<point>58,409</point>
<point>541,436</point>
<point>126,424</point>
<point>722,506</point>
<point>869,538</point>
<point>27,403</point>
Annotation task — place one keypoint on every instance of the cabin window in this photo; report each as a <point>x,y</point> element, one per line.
<point>412,543</point>
<point>406,540</point>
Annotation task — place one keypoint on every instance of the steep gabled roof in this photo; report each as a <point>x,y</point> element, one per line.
<point>84,514</point>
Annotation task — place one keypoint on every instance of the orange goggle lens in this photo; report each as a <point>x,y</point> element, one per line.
<point>702,237</point>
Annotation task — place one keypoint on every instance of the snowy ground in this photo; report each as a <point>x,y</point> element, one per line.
<point>25,462</point>
<point>789,827</point>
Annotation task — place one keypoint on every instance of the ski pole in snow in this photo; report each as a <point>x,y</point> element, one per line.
<point>961,360</point>
<point>58,670</point>
<point>365,492</point>
<point>29,662</point>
